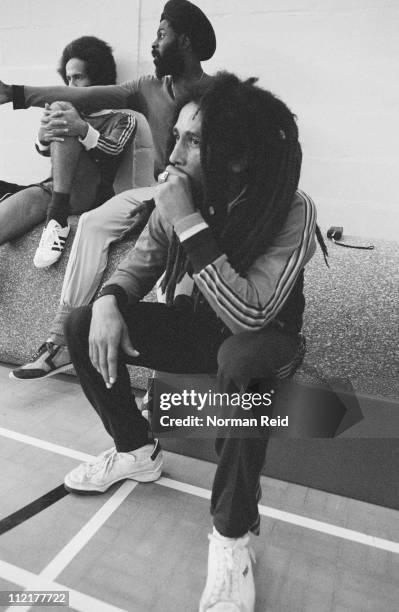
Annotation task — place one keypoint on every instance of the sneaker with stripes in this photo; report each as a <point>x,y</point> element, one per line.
<point>51,244</point>
<point>48,360</point>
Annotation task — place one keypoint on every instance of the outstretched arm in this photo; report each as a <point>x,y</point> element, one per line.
<point>87,99</point>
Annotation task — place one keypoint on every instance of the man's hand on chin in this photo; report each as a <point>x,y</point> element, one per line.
<point>173,197</point>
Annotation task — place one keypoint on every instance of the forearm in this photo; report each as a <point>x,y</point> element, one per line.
<point>87,99</point>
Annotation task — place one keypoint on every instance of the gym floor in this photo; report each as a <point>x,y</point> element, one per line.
<point>143,547</point>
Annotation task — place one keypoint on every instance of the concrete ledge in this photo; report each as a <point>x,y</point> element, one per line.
<point>29,297</point>
<point>350,318</point>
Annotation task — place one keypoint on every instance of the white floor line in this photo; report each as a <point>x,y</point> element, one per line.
<point>69,552</point>
<point>30,582</point>
<point>280,515</point>
<point>79,541</point>
<point>49,446</point>
<point>294,519</point>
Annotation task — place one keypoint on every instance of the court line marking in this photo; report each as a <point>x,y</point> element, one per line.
<point>49,446</point>
<point>267,511</point>
<point>74,546</point>
<point>33,582</point>
<point>294,519</point>
<point>32,509</point>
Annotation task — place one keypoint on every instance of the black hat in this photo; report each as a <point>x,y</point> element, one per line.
<point>186,18</point>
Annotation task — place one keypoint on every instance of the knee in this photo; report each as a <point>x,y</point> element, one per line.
<point>90,222</point>
<point>234,357</point>
<point>77,326</point>
<point>60,105</point>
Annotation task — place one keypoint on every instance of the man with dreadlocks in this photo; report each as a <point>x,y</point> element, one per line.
<point>228,212</point>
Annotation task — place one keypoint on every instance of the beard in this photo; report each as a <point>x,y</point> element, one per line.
<point>170,62</point>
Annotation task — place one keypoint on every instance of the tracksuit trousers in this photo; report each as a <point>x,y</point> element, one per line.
<point>178,340</point>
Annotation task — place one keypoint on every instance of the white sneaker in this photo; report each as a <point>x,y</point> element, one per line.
<point>143,465</point>
<point>230,584</point>
<point>51,244</point>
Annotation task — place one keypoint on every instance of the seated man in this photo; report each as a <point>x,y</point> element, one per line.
<point>85,153</point>
<point>228,212</point>
<point>184,38</point>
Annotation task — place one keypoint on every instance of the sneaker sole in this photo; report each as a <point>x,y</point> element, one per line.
<point>40,265</point>
<point>144,477</point>
<point>59,370</point>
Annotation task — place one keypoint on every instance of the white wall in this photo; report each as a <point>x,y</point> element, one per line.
<point>33,34</point>
<point>335,62</point>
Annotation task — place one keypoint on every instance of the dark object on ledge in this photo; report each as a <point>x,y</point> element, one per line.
<point>335,233</point>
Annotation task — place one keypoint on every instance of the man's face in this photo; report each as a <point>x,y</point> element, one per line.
<point>166,52</point>
<point>76,73</point>
<point>186,153</point>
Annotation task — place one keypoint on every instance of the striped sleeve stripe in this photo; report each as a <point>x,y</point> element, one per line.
<point>115,148</point>
<point>221,292</point>
<point>297,256</point>
<point>240,305</point>
<point>238,312</point>
<point>209,287</point>
<point>288,279</point>
<point>244,312</point>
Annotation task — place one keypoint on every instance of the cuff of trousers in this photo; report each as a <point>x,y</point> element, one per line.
<point>57,326</point>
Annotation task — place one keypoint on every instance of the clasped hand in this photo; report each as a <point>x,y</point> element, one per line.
<point>65,121</point>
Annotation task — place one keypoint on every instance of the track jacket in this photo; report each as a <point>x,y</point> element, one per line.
<point>109,133</point>
<point>270,290</point>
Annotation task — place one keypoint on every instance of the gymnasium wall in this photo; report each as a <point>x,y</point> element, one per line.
<point>335,62</point>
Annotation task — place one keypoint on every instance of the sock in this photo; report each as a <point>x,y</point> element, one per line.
<point>59,208</point>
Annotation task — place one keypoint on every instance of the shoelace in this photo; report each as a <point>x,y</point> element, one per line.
<point>103,464</point>
<point>226,585</point>
<point>48,346</point>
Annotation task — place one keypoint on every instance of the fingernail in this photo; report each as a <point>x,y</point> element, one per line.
<point>112,380</point>
<point>136,353</point>
<point>108,385</point>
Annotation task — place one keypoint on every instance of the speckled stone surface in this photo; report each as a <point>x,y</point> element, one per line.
<point>351,317</point>
<point>29,297</point>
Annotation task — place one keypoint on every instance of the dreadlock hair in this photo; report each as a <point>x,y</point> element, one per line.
<point>246,125</point>
<point>97,55</point>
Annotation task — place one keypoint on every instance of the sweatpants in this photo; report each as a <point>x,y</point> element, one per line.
<point>96,231</point>
<point>178,340</point>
